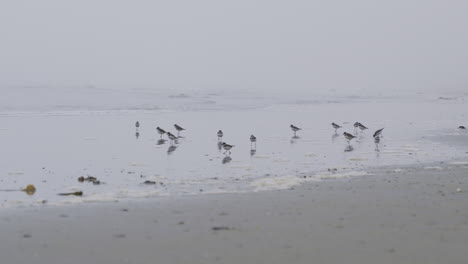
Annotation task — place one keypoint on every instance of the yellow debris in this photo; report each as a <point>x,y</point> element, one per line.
<point>30,189</point>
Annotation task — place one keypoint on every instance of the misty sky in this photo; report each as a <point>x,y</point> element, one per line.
<point>322,44</point>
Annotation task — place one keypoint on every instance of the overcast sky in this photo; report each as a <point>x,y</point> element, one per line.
<point>321,44</point>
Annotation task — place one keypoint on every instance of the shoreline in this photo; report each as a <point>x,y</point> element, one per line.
<point>263,185</point>
<point>53,152</point>
<point>413,216</point>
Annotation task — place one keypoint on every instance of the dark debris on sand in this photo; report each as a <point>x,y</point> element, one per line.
<point>92,179</point>
<point>149,182</point>
<point>78,193</point>
<point>221,228</point>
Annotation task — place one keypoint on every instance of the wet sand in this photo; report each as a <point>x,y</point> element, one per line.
<point>53,150</point>
<point>407,215</point>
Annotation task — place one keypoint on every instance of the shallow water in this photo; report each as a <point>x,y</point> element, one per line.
<point>51,149</point>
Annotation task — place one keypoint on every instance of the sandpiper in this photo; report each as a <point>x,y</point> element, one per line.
<point>362,127</point>
<point>253,139</point>
<point>356,125</point>
<point>161,131</point>
<point>137,124</point>
<point>295,129</point>
<point>227,147</point>
<point>178,128</point>
<point>171,137</point>
<point>461,127</point>
<point>220,135</point>
<point>335,126</point>
<point>378,133</point>
<point>348,136</point>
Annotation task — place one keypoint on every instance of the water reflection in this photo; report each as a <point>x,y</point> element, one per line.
<point>161,141</point>
<point>171,149</point>
<point>334,137</point>
<point>349,148</point>
<point>252,152</point>
<point>377,143</point>
<point>294,139</point>
<point>226,159</point>
<point>220,145</point>
<point>137,135</point>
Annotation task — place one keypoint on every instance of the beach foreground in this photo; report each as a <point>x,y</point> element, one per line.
<point>414,215</point>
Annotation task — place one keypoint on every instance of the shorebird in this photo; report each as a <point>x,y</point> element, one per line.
<point>220,135</point>
<point>171,137</point>
<point>462,127</point>
<point>348,136</point>
<point>362,127</point>
<point>295,129</point>
<point>253,139</point>
<point>178,128</point>
<point>227,147</point>
<point>335,126</point>
<point>137,124</point>
<point>161,131</point>
<point>378,133</point>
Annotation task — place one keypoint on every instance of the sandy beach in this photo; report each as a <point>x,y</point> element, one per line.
<point>52,150</point>
<point>232,132</point>
<point>411,215</point>
<point>310,198</point>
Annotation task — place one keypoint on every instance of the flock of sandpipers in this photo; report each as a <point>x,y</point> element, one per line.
<point>253,140</point>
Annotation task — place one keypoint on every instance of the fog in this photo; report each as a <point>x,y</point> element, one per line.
<point>399,45</point>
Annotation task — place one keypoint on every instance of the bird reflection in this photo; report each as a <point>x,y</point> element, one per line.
<point>220,145</point>
<point>174,142</point>
<point>377,142</point>
<point>335,136</point>
<point>137,135</point>
<point>226,159</point>
<point>171,149</point>
<point>161,142</point>
<point>294,139</point>
<point>252,152</point>
<point>349,148</point>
